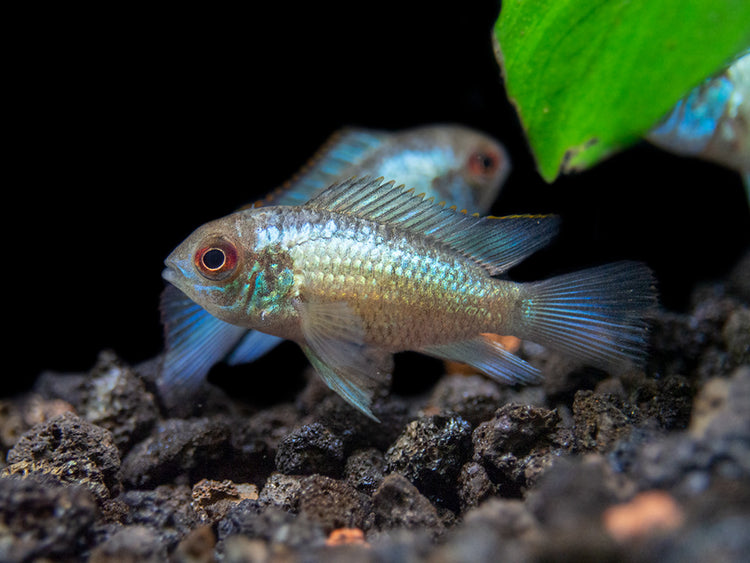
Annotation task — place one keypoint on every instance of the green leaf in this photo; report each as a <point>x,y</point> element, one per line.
<point>590,77</point>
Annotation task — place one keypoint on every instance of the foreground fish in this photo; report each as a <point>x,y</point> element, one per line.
<point>366,269</point>
<point>449,162</point>
<point>713,121</point>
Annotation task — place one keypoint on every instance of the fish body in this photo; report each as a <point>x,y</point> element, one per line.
<point>366,269</point>
<point>393,285</point>
<point>448,162</point>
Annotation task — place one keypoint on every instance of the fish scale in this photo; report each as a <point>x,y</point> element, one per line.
<point>387,279</point>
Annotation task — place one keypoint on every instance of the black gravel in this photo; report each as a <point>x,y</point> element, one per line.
<point>465,470</point>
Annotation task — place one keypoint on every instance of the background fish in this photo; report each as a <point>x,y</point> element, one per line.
<point>366,269</point>
<point>449,162</point>
<point>713,121</point>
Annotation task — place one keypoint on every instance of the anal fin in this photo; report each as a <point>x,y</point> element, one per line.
<point>489,357</point>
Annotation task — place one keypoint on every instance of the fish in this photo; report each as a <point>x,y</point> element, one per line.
<point>712,121</point>
<point>450,162</point>
<point>367,269</point>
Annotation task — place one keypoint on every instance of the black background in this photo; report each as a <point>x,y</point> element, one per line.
<point>134,126</point>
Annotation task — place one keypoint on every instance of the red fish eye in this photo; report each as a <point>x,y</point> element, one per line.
<point>483,163</point>
<point>217,259</point>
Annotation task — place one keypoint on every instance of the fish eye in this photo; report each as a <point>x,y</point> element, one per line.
<point>483,163</point>
<point>213,259</point>
<point>216,259</point>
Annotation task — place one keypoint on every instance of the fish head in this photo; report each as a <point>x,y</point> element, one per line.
<point>471,165</point>
<point>485,165</point>
<point>211,266</point>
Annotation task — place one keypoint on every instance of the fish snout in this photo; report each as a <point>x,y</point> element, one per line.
<point>176,268</point>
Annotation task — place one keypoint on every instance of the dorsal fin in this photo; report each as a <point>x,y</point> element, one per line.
<point>497,243</point>
<point>343,149</point>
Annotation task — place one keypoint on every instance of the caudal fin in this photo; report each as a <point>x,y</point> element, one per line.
<point>597,315</point>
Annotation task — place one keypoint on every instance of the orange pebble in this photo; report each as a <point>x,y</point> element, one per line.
<point>648,512</point>
<point>346,536</point>
<point>510,343</point>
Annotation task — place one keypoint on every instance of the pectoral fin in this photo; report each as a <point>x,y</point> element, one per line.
<point>334,344</point>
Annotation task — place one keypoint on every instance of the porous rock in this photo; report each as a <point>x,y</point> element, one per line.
<point>212,499</point>
<point>497,530</point>
<point>399,504</point>
<point>716,446</point>
<point>42,519</point>
<point>533,484</point>
<point>693,343</point>
<point>357,431</point>
<point>472,397</point>
<point>474,485</point>
<point>601,419</point>
<point>365,469</point>
<point>197,547</point>
<point>721,406</point>
<point>69,449</point>
<point>430,453</point>
<point>18,416</point>
<point>281,491</point>
<point>132,543</point>
<point>667,401</point>
<point>115,398</point>
<point>516,445</point>
<point>180,447</point>
<point>311,448</point>
<point>332,503</point>
<point>574,492</point>
<point>166,509</point>
<point>269,524</point>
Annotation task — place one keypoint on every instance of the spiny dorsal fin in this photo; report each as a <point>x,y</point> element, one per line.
<point>342,150</point>
<point>497,243</point>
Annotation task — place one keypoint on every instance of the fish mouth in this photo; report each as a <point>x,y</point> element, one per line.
<point>173,273</point>
<point>170,275</point>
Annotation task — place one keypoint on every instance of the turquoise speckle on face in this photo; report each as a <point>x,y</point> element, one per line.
<point>269,285</point>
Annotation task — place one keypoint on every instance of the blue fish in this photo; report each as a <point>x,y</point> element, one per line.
<point>713,121</point>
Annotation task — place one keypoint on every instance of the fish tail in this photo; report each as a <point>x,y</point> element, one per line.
<point>599,315</point>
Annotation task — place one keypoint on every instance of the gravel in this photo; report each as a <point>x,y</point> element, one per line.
<point>646,465</point>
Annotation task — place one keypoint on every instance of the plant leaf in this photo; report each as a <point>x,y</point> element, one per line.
<point>590,78</point>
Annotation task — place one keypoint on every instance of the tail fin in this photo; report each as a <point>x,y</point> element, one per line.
<point>597,315</point>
